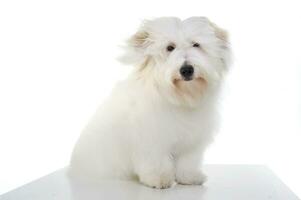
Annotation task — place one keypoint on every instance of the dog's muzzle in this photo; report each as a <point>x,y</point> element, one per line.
<point>186,72</point>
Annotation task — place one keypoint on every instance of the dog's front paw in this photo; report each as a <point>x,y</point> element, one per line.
<point>191,177</point>
<point>162,181</point>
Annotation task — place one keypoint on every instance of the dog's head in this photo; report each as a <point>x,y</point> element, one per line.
<point>182,58</point>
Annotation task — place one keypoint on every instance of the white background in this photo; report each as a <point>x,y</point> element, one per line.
<point>58,62</point>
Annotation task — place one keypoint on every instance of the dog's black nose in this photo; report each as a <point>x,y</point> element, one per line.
<point>186,71</point>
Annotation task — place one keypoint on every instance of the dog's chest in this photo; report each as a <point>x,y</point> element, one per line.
<point>180,129</point>
<point>187,129</point>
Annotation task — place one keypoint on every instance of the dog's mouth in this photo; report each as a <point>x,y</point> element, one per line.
<point>189,90</point>
<point>188,78</point>
<point>185,79</point>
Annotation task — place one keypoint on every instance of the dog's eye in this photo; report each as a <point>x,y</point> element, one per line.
<point>197,45</point>
<point>170,48</point>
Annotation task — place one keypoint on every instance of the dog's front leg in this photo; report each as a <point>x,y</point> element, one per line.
<point>188,170</point>
<point>156,170</point>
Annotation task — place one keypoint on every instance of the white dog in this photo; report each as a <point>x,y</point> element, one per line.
<point>158,122</point>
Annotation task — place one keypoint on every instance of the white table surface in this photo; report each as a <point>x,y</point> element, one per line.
<point>225,182</point>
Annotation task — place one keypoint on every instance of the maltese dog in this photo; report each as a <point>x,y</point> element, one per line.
<point>156,124</point>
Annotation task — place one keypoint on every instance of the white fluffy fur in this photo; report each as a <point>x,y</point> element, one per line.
<point>155,126</point>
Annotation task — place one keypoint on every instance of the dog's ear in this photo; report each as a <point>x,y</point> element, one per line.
<point>224,44</point>
<point>220,33</point>
<point>139,40</point>
<point>136,52</point>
